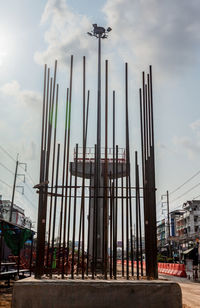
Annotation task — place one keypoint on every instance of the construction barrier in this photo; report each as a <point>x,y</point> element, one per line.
<point>173,269</point>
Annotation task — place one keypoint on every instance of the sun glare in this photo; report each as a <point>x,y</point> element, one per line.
<point>6,46</point>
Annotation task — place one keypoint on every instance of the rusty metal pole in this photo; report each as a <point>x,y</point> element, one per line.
<point>111,226</point>
<point>136,217</point>
<point>63,183</point>
<point>83,184</point>
<point>155,265</point>
<point>113,187</point>
<point>67,162</point>
<point>127,175</point>
<point>41,210</point>
<point>50,210</point>
<point>88,238</point>
<point>74,214</point>
<point>55,206</point>
<point>106,176</point>
<point>139,217</point>
<point>122,217</point>
<point>115,213</point>
<point>69,216</point>
<point>54,154</point>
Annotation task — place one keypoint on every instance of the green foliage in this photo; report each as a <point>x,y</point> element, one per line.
<point>161,258</point>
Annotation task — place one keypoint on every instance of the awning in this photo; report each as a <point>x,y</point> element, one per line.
<point>188,251</point>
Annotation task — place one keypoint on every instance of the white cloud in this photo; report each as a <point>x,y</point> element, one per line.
<point>195,125</point>
<point>26,97</point>
<point>162,33</point>
<point>189,145</point>
<point>165,33</point>
<point>66,34</point>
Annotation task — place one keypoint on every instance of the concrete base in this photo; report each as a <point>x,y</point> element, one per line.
<point>32,293</point>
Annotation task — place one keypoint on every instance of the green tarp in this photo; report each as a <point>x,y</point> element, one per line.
<point>15,237</point>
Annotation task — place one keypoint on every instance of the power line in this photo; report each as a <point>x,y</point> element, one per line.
<point>3,182</point>
<point>35,206</point>
<point>196,197</point>
<point>30,178</point>
<point>7,153</point>
<point>179,187</point>
<point>176,208</point>
<point>7,168</point>
<point>186,192</point>
<point>6,184</point>
<point>11,157</point>
<point>10,171</point>
<point>30,189</point>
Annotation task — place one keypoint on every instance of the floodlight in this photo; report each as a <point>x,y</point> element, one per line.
<point>109,29</point>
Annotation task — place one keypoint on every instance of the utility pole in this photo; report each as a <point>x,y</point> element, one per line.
<point>14,184</point>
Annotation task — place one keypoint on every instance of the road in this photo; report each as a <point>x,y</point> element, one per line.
<point>190,291</point>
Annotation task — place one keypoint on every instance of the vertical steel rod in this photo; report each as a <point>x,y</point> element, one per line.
<point>74,214</point>
<point>106,175</point>
<point>122,217</point>
<point>68,151</point>
<point>55,206</point>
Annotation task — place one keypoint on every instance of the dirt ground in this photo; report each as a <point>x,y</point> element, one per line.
<point>5,295</point>
<point>190,291</point>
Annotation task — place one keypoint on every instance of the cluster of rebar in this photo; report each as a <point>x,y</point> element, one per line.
<point>109,205</point>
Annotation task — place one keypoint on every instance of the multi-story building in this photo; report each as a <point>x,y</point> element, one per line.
<point>18,215</point>
<point>192,219</point>
<point>161,233</point>
<point>177,223</point>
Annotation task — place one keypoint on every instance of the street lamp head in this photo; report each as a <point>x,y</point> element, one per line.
<point>99,32</point>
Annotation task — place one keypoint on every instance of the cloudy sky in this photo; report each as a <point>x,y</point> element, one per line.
<point>162,33</point>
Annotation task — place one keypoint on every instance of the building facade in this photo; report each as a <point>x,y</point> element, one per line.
<point>18,215</point>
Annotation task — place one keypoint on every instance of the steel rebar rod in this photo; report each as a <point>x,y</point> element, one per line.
<point>68,151</point>
<point>105,242</point>
<point>115,216</point>
<point>50,209</point>
<point>63,182</point>
<point>74,214</point>
<point>111,225</point>
<point>55,208</point>
<point>136,216</point>
<point>89,217</point>
<point>122,218</point>
<point>69,217</point>
<point>53,169</point>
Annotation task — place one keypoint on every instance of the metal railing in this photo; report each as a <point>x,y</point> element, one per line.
<point>90,154</point>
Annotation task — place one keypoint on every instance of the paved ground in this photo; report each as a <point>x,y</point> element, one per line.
<point>190,291</point>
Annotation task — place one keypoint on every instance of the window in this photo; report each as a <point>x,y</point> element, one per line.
<point>195,218</point>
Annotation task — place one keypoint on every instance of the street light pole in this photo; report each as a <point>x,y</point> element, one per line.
<point>99,33</point>
<point>99,102</point>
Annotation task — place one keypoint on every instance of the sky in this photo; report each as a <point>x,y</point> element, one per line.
<point>164,34</point>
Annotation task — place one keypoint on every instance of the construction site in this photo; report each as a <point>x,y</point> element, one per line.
<point>97,241</point>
